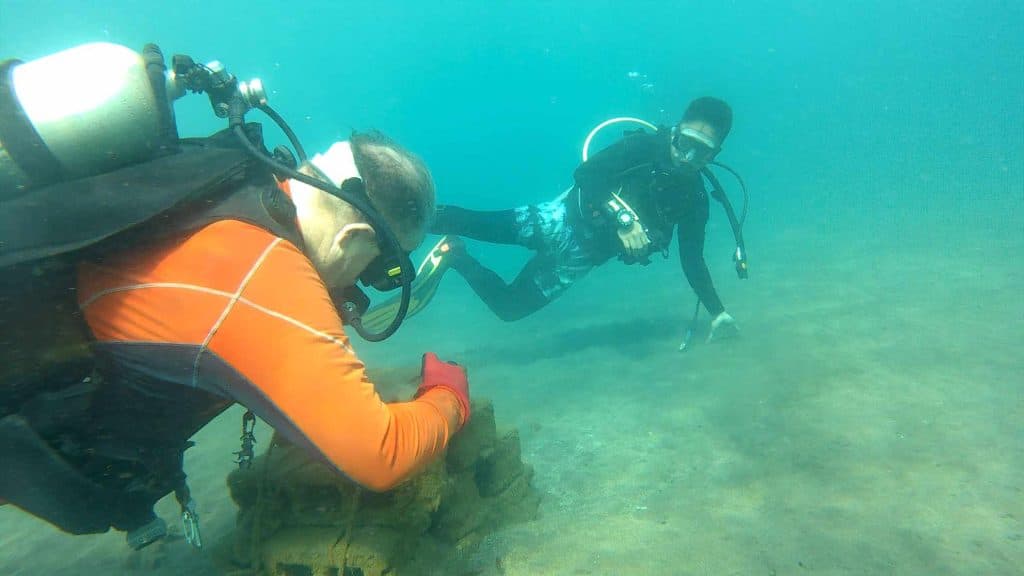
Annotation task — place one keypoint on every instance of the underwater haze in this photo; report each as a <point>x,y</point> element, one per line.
<point>869,418</point>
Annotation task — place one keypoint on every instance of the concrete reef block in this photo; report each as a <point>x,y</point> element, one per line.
<point>297,517</point>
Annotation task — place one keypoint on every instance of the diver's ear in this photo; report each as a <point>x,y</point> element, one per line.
<point>354,238</point>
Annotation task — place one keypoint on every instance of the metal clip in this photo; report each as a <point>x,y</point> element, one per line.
<point>248,438</point>
<point>190,524</point>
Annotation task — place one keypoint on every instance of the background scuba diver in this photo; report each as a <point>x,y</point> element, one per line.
<point>626,200</point>
<point>234,306</point>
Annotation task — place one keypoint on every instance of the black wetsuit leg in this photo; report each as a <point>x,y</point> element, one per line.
<point>509,302</point>
<point>495,227</point>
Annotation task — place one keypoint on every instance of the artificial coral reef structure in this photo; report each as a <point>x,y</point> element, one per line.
<point>297,517</point>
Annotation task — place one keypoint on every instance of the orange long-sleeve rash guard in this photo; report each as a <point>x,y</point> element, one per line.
<point>234,310</point>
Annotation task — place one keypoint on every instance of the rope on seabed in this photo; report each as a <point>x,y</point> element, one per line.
<point>256,536</point>
<point>346,539</point>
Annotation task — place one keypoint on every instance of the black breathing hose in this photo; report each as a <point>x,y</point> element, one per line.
<point>743,186</point>
<point>349,311</point>
<point>299,150</point>
<point>718,193</point>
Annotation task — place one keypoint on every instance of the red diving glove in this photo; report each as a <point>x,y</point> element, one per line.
<point>437,373</point>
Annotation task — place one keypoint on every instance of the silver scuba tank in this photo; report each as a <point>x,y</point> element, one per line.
<point>79,112</point>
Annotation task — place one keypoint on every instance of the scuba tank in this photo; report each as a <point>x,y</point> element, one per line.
<point>101,107</point>
<point>80,112</point>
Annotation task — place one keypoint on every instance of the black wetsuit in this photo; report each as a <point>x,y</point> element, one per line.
<point>573,235</point>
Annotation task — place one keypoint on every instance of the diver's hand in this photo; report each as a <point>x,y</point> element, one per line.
<point>635,240</point>
<point>436,373</point>
<point>723,326</point>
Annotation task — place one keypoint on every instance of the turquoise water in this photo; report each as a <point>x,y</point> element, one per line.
<point>868,420</point>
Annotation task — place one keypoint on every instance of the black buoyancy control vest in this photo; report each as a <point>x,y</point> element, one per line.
<point>47,377</point>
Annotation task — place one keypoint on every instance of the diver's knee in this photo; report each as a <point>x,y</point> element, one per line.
<point>520,307</point>
<point>512,315</point>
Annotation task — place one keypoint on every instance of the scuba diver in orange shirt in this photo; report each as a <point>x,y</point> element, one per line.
<point>206,273</point>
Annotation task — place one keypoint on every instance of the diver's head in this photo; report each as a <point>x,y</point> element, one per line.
<point>699,135</point>
<point>340,241</point>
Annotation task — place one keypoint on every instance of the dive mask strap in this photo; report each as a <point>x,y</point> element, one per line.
<point>384,272</point>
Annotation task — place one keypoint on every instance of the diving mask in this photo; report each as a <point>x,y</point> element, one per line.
<point>692,146</point>
<point>384,272</point>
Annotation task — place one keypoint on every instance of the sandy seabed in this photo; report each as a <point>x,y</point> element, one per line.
<point>868,420</point>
